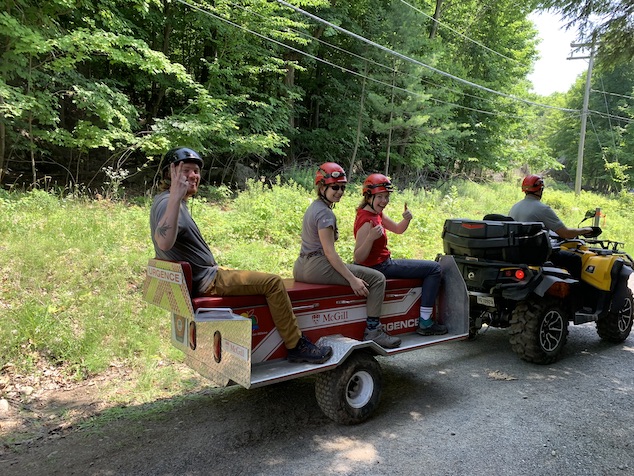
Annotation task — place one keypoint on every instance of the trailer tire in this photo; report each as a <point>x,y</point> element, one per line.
<point>616,326</point>
<point>538,330</point>
<point>350,393</point>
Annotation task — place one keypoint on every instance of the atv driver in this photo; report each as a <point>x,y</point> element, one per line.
<point>532,209</point>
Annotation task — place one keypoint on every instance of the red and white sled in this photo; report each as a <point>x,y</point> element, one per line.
<point>233,339</point>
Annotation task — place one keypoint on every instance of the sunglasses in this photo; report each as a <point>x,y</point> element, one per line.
<point>337,187</point>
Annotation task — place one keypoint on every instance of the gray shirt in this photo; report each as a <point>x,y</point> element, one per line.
<point>189,246</point>
<point>318,216</point>
<point>532,209</point>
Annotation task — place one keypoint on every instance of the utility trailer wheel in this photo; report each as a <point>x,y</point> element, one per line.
<point>350,393</point>
<point>538,330</point>
<point>616,326</point>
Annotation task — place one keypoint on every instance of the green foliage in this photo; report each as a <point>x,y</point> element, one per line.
<point>258,218</point>
<point>608,147</point>
<point>88,85</point>
<point>72,289</point>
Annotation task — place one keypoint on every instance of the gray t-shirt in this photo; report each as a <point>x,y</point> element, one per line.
<point>532,209</point>
<point>189,246</point>
<point>318,216</point>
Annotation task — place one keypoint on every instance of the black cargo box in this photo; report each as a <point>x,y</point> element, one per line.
<point>510,241</point>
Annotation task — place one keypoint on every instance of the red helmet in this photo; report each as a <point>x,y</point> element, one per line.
<point>329,173</point>
<point>532,184</point>
<point>377,183</point>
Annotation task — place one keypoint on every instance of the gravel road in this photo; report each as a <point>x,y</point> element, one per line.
<point>462,408</point>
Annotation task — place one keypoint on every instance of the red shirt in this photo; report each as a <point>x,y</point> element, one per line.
<point>378,252</point>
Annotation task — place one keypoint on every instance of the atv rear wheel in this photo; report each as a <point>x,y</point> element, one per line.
<point>351,392</point>
<point>616,326</point>
<point>538,330</point>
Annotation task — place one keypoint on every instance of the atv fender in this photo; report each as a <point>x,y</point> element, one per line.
<point>548,281</point>
<point>620,290</point>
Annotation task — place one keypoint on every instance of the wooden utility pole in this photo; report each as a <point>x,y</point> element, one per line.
<point>584,112</point>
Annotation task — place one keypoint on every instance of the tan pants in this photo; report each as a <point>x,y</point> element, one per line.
<point>231,282</point>
<point>318,270</point>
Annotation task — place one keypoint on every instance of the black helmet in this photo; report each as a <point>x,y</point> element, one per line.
<point>181,154</point>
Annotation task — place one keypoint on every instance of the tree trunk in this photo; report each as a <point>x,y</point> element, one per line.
<point>289,82</point>
<point>359,122</point>
<point>30,128</point>
<point>32,150</point>
<point>315,116</point>
<point>157,92</point>
<point>389,137</point>
<point>433,31</point>
<point>3,148</point>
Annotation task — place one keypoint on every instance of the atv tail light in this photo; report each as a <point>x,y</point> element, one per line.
<point>560,290</point>
<point>515,273</point>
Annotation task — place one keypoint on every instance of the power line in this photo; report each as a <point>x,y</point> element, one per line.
<point>438,22</point>
<point>443,73</point>
<point>412,60</point>
<point>319,40</point>
<point>329,63</point>
<point>369,60</point>
<point>356,73</point>
<point>607,109</point>
<point>347,70</point>
<point>611,94</point>
<point>612,116</point>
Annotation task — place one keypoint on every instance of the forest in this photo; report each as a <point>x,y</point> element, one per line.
<point>92,93</point>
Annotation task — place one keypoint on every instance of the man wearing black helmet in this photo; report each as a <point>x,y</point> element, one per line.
<point>532,209</point>
<point>176,237</point>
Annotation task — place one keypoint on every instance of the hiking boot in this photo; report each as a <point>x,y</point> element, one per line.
<point>382,338</point>
<point>434,330</point>
<point>306,351</point>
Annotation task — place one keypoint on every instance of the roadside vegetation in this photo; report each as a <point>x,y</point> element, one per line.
<point>94,93</point>
<point>72,269</point>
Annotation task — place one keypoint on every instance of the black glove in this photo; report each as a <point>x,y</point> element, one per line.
<point>596,231</point>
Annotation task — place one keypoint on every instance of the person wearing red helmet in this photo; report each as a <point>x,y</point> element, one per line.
<point>531,209</point>
<point>176,237</point>
<point>318,261</point>
<point>371,249</point>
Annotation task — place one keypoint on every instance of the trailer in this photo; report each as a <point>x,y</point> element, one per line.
<point>232,339</point>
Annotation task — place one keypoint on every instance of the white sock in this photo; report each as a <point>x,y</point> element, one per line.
<point>425,316</point>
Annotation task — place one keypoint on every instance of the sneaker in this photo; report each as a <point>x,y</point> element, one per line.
<point>382,338</point>
<point>434,330</point>
<point>306,351</point>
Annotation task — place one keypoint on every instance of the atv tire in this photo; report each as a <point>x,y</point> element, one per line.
<point>538,330</point>
<point>351,392</point>
<point>616,326</point>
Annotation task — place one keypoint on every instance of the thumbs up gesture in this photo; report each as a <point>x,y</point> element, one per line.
<point>407,215</point>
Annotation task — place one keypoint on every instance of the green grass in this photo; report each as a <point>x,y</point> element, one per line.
<point>71,271</point>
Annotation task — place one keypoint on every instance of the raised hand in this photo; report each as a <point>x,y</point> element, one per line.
<point>178,183</point>
<point>407,215</point>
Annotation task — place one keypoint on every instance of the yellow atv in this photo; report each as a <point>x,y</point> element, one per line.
<point>511,283</point>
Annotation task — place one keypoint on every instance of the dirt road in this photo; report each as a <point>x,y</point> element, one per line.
<point>463,408</point>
